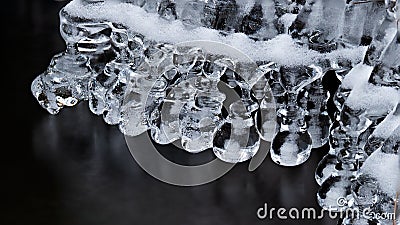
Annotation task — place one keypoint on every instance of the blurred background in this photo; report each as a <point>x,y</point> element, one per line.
<point>73,169</point>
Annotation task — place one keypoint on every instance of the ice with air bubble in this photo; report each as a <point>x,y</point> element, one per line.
<point>199,119</point>
<point>267,113</point>
<point>292,144</point>
<point>167,129</point>
<point>237,140</point>
<point>145,92</point>
<point>129,68</point>
<point>366,125</point>
<point>315,99</point>
<point>65,81</point>
<point>377,189</point>
<point>108,88</point>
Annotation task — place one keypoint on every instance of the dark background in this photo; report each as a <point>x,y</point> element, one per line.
<point>73,169</point>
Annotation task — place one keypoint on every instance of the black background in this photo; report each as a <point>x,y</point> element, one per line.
<point>74,169</point>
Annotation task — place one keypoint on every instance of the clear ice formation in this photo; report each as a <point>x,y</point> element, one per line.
<point>65,81</point>
<point>128,67</point>
<point>376,190</point>
<point>292,144</point>
<point>238,139</point>
<point>363,130</point>
<point>200,119</point>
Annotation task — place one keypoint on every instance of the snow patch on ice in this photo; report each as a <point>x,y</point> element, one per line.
<point>386,169</point>
<point>160,30</point>
<point>357,76</point>
<point>287,19</point>
<point>245,6</point>
<point>374,99</point>
<point>388,125</point>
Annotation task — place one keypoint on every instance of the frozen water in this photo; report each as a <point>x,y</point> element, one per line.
<point>141,99</point>
<point>151,6</point>
<point>65,83</point>
<point>376,14</point>
<point>365,190</point>
<point>376,99</point>
<point>357,76</point>
<point>221,15</point>
<point>366,21</point>
<point>319,24</point>
<point>267,112</point>
<point>167,10</point>
<point>383,131</point>
<point>292,144</point>
<point>245,6</point>
<point>167,130</point>
<point>192,14</point>
<point>387,70</point>
<point>161,30</point>
<point>286,13</point>
<point>373,187</point>
<point>200,119</point>
<point>376,187</point>
<point>126,64</point>
<point>107,90</point>
<point>354,78</point>
<point>388,33</point>
<point>253,21</point>
<point>318,120</point>
<point>392,144</point>
<point>333,189</point>
<point>260,23</point>
<point>237,140</point>
<point>354,15</point>
<point>364,104</point>
<point>265,97</point>
<point>326,168</point>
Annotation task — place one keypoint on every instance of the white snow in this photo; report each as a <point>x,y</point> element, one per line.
<point>367,96</point>
<point>386,169</point>
<point>387,126</point>
<point>245,6</point>
<point>371,97</point>
<point>357,76</point>
<point>158,29</point>
<point>287,19</point>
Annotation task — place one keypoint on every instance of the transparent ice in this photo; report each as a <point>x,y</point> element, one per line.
<point>349,158</point>
<point>319,24</point>
<point>374,188</point>
<point>267,113</point>
<point>292,144</point>
<point>221,14</point>
<point>128,66</point>
<point>65,81</point>
<point>199,119</point>
<point>144,94</point>
<point>192,13</point>
<point>237,140</point>
<point>360,131</point>
<point>167,130</point>
<point>318,120</point>
<point>387,66</point>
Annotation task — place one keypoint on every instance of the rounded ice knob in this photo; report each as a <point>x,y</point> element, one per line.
<point>237,140</point>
